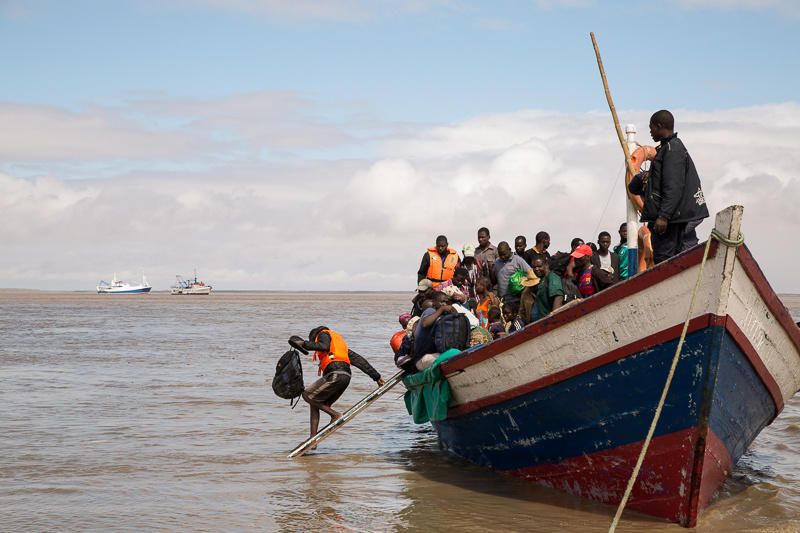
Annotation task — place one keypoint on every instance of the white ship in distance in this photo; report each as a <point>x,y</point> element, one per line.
<point>120,287</point>
<point>190,286</point>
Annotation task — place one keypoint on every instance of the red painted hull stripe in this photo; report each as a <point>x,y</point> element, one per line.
<point>609,296</point>
<point>717,464</point>
<point>662,489</point>
<point>661,337</point>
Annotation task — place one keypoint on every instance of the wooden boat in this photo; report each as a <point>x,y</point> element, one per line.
<point>567,401</point>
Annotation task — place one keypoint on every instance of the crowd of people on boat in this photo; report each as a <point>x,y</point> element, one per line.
<point>499,289</point>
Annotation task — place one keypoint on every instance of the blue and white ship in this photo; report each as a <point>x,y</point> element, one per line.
<point>120,287</point>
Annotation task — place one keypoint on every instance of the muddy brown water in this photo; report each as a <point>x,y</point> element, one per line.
<point>154,412</point>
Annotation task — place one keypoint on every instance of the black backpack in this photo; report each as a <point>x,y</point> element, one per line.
<point>288,380</point>
<point>559,262</point>
<point>571,291</point>
<point>451,331</point>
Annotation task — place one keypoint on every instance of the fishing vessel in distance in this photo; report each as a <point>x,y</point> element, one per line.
<point>120,287</point>
<point>190,286</point>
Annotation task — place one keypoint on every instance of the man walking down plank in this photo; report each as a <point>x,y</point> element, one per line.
<point>335,358</point>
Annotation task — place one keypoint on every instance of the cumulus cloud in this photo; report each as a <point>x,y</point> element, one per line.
<point>167,128</point>
<point>363,224</point>
<point>361,11</point>
<point>279,120</point>
<point>43,132</point>
<point>334,10</point>
<point>789,7</point>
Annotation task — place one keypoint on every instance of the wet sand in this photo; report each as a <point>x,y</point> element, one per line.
<point>155,412</point>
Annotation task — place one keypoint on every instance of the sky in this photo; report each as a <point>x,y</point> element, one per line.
<point>323,145</point>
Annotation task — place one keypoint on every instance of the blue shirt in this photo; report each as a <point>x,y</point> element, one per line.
<point>504,269</point>
<point>423,337</point>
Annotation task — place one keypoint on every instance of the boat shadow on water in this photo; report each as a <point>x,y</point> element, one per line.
<point>447,492</point>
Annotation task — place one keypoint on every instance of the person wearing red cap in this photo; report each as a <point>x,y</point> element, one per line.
<point>582,255</point>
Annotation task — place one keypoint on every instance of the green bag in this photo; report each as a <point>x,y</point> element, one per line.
<point>515,282</point>
<point>428,393</point>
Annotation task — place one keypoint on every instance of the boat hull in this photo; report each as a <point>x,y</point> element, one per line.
<point>201,291</point>
<point>140,290</point>
<point>583,434</point>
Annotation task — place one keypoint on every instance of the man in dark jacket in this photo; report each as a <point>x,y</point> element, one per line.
<point>672,193</point>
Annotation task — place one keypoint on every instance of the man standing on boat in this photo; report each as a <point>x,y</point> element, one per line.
<point>539,250</point>
<point>486,252</point>
<point>672,193</point>
<point>550,293</point>
<point>335,359</point>
<point>507,263</point>
<point>622,251</point>
<point>439,263</point>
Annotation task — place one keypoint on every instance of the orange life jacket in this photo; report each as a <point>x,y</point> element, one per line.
<point>638,157</point>
<point>338,351</point>
<point>438,271</point>
<point>397,340</point>
<point>482,311</point>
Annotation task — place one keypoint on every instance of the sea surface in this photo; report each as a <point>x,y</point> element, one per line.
<point>154,412</point>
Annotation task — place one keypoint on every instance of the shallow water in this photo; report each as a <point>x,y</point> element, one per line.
<point>155,412</point>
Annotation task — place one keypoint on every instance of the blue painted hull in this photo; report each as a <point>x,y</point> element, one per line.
<point>583,434</point>
<point>134,291</point>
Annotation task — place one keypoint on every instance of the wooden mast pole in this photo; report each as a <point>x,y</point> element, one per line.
<point>631,216</point>
<point>628,162</point>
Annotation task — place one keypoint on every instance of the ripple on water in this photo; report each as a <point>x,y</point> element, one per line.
<point>156,413</point>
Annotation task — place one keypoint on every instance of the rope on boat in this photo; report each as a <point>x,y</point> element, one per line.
<point>715,235</point>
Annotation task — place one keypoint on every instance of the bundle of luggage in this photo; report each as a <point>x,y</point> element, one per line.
<point>451,331</point>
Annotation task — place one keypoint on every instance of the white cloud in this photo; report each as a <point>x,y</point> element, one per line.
<point>279,120</point>
<point>42,132</point>
<point>243,126</point>
<point>552,4</point>
<point>335,10</point>
<point>789,7</point>
<point>361,11</point>
<point>365,224</point>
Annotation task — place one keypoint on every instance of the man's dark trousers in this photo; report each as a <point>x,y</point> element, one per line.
<point>669,243</point>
